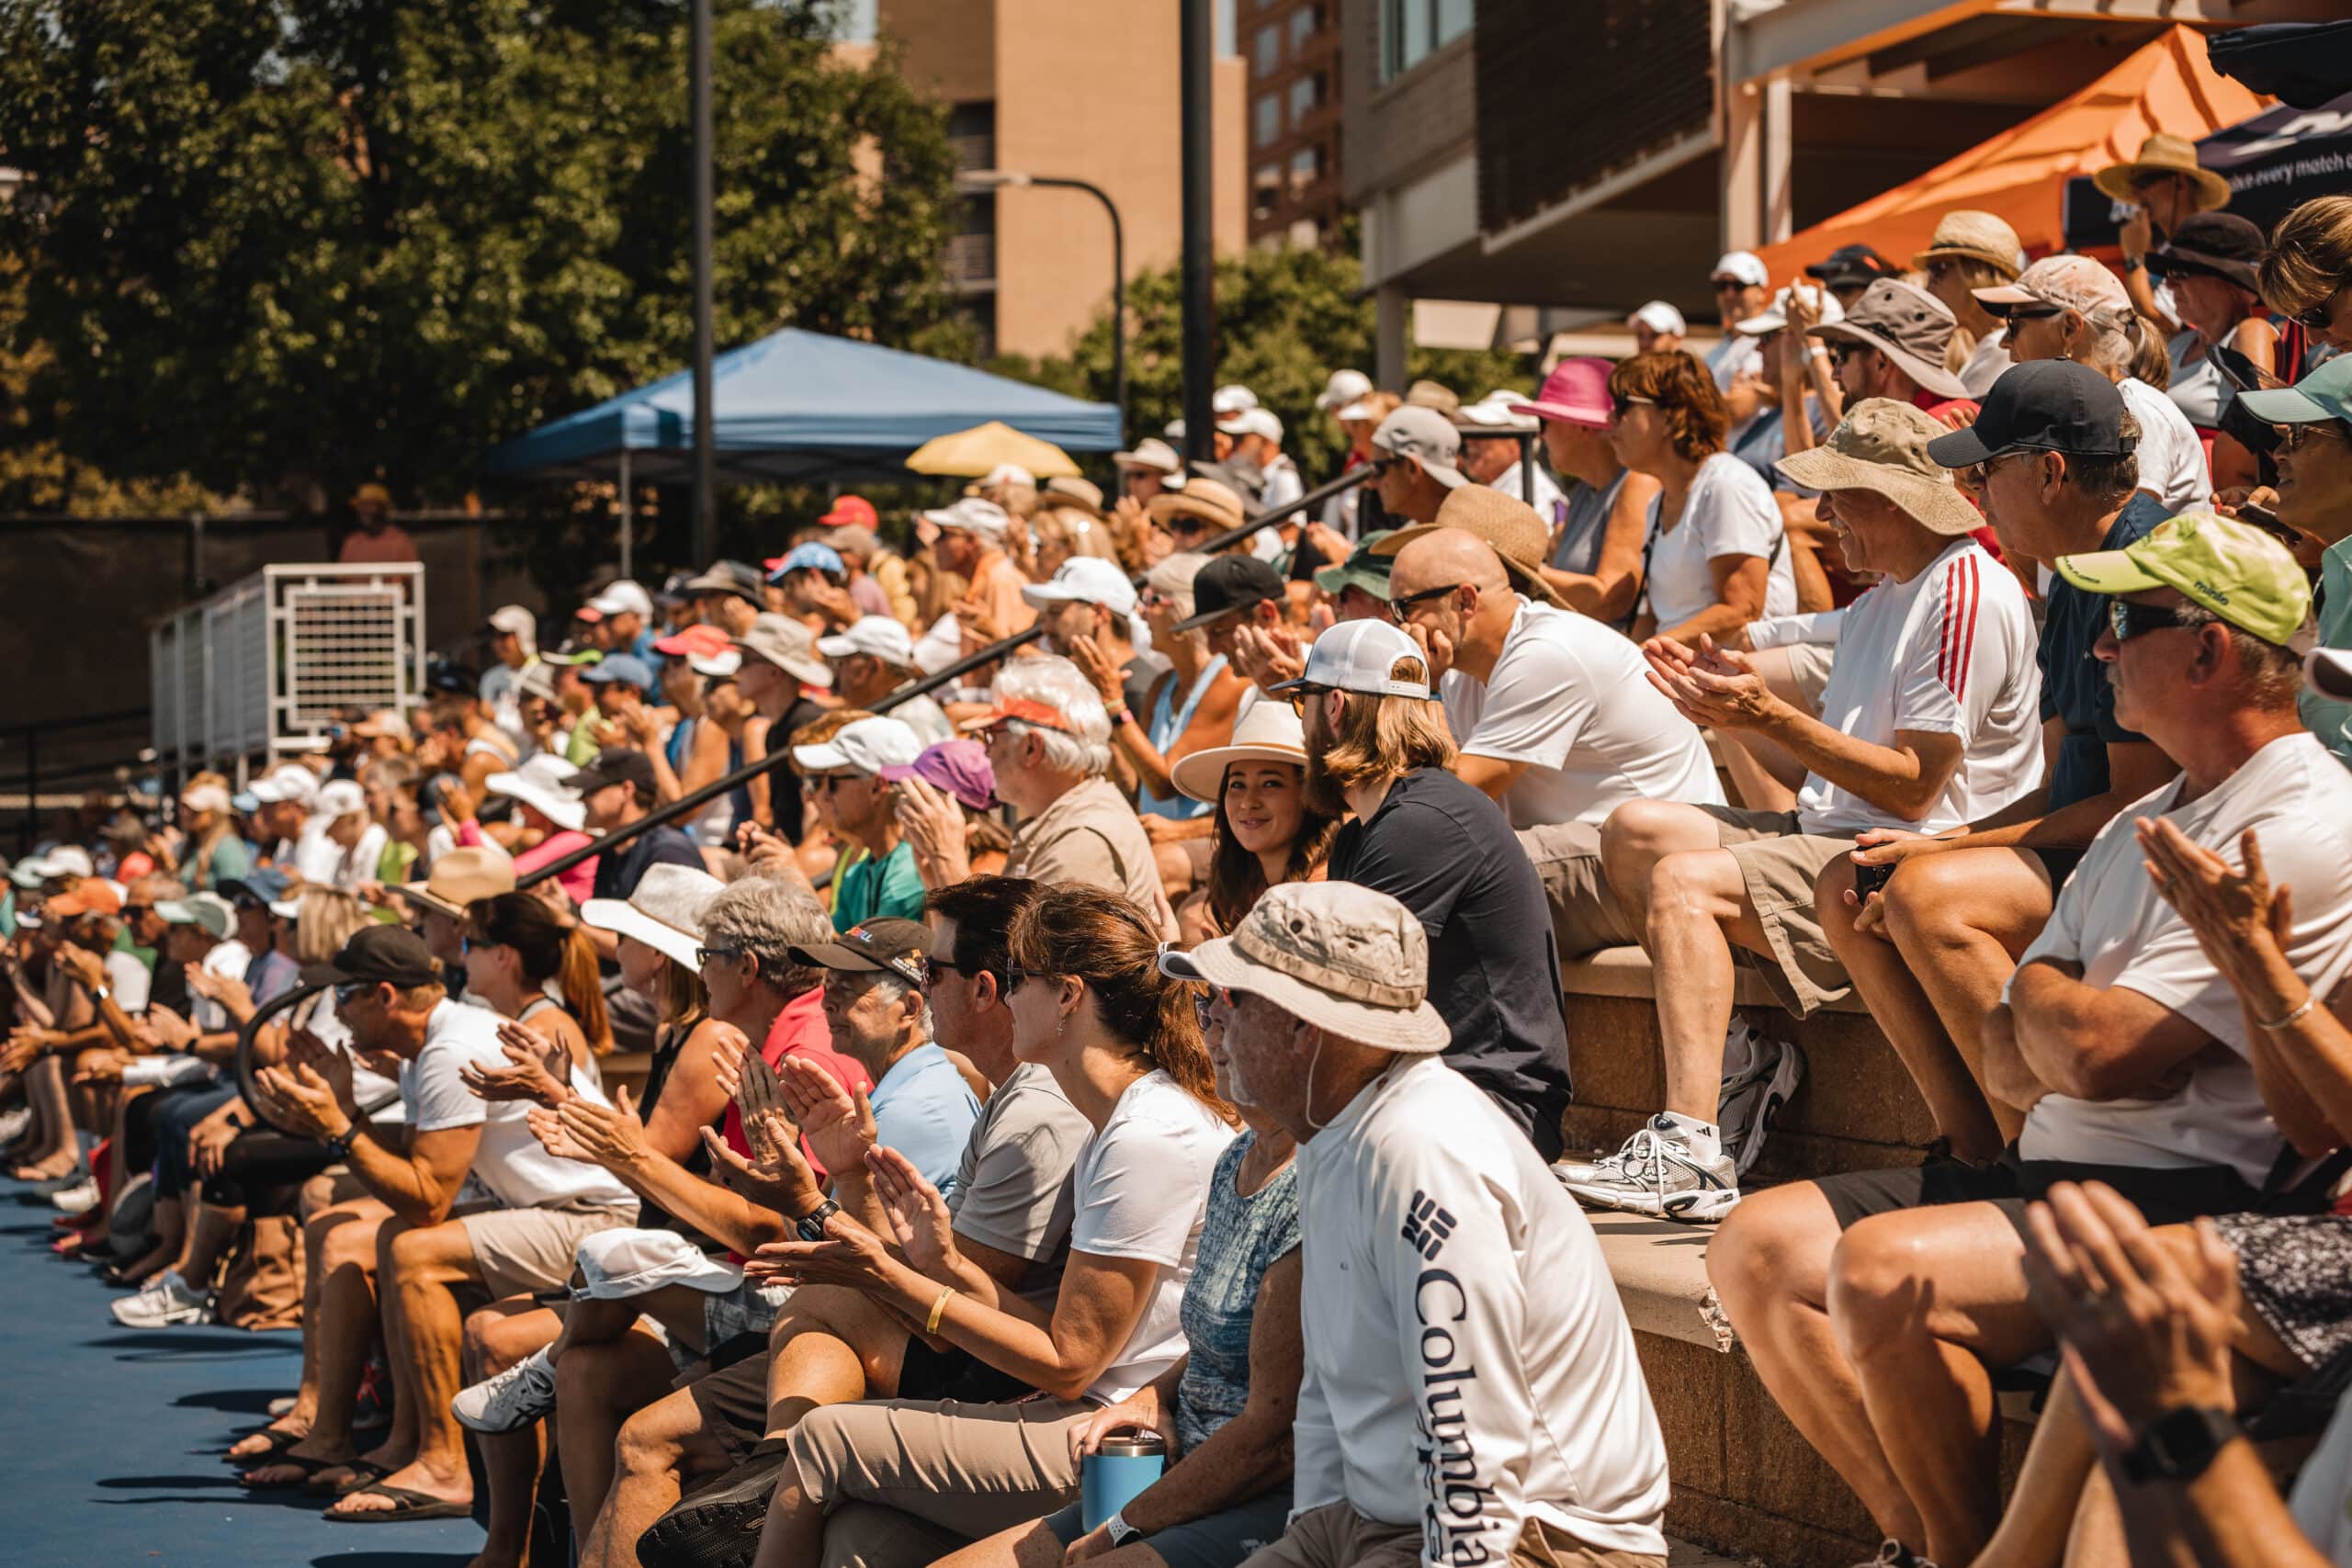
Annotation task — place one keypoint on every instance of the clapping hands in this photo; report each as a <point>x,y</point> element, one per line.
<point>1711,686</point>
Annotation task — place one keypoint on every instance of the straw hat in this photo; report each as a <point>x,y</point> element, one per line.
<point>1976,236</point>
<point>1344,957</point>
<point>1212,503</point>
<point>1514,528</point>
<point>2164,153</point>
<point>1881,446</point>
<point>1269,732</point>
<point>1083,495</point>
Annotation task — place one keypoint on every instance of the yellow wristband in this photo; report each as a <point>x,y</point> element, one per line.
<point>931,1325</point>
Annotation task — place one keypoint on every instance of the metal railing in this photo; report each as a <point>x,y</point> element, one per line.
<point>670,812</point>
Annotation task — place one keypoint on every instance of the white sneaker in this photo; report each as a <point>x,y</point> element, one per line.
<point>1658,1172</point>
<point>14,1122</point>
<point>78,1199</point>
<point>166,1300</point>
<point>1753,1096</point>
<point>521,1394</point>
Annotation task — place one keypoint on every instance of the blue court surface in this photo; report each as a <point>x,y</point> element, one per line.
<point>110,1436</point>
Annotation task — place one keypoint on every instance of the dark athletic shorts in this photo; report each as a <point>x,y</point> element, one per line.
<point>2165,1196</point>
<point>2059,863</point>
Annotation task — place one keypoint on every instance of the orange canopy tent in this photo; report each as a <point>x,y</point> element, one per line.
<point>2021,174</point>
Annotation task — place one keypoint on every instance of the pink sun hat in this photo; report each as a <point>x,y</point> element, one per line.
<point>1576,393</point>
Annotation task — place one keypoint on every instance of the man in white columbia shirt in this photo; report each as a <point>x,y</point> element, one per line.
<point>1471,1393</point>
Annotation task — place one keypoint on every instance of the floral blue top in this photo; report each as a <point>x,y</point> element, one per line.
<point>1240,1239</point>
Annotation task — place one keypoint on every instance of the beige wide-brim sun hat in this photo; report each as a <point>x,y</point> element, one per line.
<point>1882,445</point>
<point>2164,154</point>
<point>1340,956</point>
<point>1269,732</point>
<point>1514,529</point>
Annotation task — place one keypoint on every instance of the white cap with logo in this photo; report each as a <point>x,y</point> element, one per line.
<point>1361,656</point>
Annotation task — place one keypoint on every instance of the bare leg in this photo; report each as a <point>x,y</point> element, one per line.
<point>600,1384</point>
<point>1770,1265</point>
<point>420,1266</point>
<point>170,1230</point>
<point>1752,783</point>
<point>318,1204</point>
<point>1926,1302</point>
<point>209,1236</point>
<point>1698,907</point>
<point>1034,1546</point>
<point>657,1446</point>
<point>1962,921</point>
<point>497,1336</point>
<point>54,1150</point>
<point>343,1326</point>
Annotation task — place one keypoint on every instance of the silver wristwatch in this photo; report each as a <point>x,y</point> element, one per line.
<point>1120,1531</point>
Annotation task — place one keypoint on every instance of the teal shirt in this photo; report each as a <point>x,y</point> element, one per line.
<point>231,862</point>
<point>873,889</point>
<point>2324,716</point>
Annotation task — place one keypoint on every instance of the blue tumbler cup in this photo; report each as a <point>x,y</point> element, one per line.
<point>1112,1474</point>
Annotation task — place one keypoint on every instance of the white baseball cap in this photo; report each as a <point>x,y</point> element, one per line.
<point>1660,317</point>
<point>622,597</point>
<point>1357,656</point>
<point>621,1265</point>
<point>65,860</point>
<point>1008,474</point>
<point>972,515</point>
<point>340,799</point>
<point>877,637</point>
<point>1742,266</point>
<point>541,783</point>
<point>867,746</point>
<point>516,622</point>
<point>1494,412</point>
<point>1345,387</point>
<point>1153,454</point>
<point>1089,579</point>
<point>292,782</point>
<point>1256,421</point>
<point>214,913</point>
<point>1232,398</point>
<point>1775,316</point>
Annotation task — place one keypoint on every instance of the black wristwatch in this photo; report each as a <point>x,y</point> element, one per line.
<point>2179,1445</point>
<point>811,1226</point>
<point>340,1144</point>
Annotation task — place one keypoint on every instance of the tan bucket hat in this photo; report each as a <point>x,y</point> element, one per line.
<point>1882,445</point>
<point>1976,236</point>
<point>1213,504</point>
<point>1514,528</point>
<point>1342,956</point>
<point>2164,153</point>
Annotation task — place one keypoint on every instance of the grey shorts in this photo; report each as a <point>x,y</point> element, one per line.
<point>1217,1540</point>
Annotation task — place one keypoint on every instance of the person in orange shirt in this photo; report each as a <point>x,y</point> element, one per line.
<point>377,541</point>
<point>972,536</point>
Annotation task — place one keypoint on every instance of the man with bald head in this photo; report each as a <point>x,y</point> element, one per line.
<point>1556,719</point>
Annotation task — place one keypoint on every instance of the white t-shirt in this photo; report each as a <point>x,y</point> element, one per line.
<point>1571,699</point>
<point>2110,920</point>
<point>322,861</point>
<point>1142,1191</point>
<point>1951,652</point>
<point>510,1164</point>
<point>2321,1500</point>
<point>2172,460</point>
<point>1733,352</point>
<point>1729,512</point>
<point>228,960</point>
<point>130,980</point>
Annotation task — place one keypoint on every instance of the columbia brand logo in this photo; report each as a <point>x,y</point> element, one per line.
<point>1427,1226</point>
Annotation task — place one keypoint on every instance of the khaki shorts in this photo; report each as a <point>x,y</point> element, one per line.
<point>1778,864</point>
<point>1336,1536</point>
<point>523,1250</point>
<point>941,1471</point>
<point>1585,912</point>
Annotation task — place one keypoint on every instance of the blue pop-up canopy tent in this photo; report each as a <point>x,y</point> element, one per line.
<point>804,407</point>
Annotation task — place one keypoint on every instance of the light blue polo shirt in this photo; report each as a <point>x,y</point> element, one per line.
<point>923,1109</point>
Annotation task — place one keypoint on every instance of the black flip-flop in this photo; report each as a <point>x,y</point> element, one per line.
<point>279,1441</point>
<point>364,1471</point>
<point>409,1506</point>
<point>310,1468</point>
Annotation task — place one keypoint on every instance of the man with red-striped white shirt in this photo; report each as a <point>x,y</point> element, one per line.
<point>1931,719</point>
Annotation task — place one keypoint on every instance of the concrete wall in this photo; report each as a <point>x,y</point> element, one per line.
<point>1421,119</point>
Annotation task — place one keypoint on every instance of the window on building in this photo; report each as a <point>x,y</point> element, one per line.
<point>1412,30</point>
<point>1265,190</point>
<point>1306,97</point>
<point>971,134</point>
<point>1305,23</point>
<point>1305,168</point>
<point>1266,50</point>
<point>1266,119</point>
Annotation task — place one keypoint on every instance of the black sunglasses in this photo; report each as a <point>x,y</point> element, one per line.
<point>2320,316</point>
<point>1621,401</point>
<point>704,956</point>
<point>1216,994</point>
<point>2033,312</point>
<point>1015,977</point>
<point>2127,619</point>
<point>1397,608</point>
<point>1301,696</point>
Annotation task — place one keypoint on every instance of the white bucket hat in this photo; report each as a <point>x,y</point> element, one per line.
<point>665,912</point>
<point>1269,732</point>
<point>1342,957</point>
<point>616,1265</point>
<point>540,784</point>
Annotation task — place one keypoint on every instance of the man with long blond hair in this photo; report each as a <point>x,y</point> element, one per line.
<point>1377,746</point>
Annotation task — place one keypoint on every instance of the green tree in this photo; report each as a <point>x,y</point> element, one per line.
<point>1285,319</point>
<point>304,242</point>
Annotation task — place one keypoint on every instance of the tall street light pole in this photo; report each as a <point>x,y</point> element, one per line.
<point>1196,53</point>
<point>706,507</point>
<point>974,181</point>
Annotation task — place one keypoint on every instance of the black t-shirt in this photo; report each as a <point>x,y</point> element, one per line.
<point>784,785</point>
<point>2074,683</point>
<point>619,871</point>
<point>1445,852</point>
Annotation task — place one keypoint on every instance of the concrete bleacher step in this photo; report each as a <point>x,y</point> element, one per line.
<point>1745,1484</point>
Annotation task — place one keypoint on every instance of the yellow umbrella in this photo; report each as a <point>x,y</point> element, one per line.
<point>972,452</point>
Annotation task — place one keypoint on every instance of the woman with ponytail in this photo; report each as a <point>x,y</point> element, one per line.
<point>1123,1042</point>
<point>526,962</point>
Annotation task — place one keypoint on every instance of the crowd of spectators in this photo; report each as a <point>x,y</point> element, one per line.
<point>826,1170</point>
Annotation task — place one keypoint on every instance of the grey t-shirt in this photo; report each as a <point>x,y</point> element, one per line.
<point>1013,1188</point>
